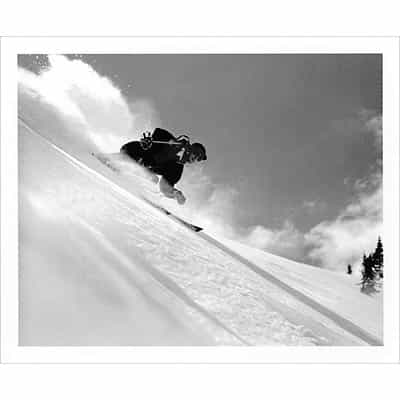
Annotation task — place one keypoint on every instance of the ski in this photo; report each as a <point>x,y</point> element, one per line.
<point>189,225</point>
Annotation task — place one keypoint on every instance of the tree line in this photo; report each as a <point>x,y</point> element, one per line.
<point>372,267</point>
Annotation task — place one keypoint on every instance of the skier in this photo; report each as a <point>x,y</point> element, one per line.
<point>164,154</point>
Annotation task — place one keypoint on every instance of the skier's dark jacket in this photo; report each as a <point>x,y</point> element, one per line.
<point>161,159</point>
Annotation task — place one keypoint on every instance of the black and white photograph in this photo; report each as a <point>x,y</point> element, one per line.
<point>203,200</point>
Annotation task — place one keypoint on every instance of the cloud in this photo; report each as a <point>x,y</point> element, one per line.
<point>287,241</point>
<point>343,240</point>
<point>373,124</point>
<point>333,244</point>
<point>76,104</point>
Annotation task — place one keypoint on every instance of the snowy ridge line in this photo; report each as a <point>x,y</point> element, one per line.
<point>332,315</point>
<point>161,278</point>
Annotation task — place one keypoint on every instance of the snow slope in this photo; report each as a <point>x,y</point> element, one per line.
<point>334,294</point>
<point>100,266</point>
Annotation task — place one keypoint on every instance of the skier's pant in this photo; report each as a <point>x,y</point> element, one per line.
<point>135,151</point>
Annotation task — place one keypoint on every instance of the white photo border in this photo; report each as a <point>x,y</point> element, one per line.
<point>12,353</point>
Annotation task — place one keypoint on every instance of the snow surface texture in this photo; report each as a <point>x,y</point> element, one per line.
<point>100,266</point>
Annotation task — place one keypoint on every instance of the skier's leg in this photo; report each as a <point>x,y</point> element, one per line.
<point>134,151</point>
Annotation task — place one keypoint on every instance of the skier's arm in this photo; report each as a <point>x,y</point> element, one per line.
<point>168,190</point>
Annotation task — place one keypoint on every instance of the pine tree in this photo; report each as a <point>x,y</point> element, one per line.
<point>368,273</point>
<point>378,258</point>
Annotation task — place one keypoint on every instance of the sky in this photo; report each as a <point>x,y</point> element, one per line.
<point>293,141</point>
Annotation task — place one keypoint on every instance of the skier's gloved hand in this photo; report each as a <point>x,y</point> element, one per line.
<point>146,141</point>
<point>180,198</point>
<point>184,141</point>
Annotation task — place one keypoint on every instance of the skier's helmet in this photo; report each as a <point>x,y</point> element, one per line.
<point>197,152</point>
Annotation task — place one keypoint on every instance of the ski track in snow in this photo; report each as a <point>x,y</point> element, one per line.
<point>341,321</point>
<point>205,292</point>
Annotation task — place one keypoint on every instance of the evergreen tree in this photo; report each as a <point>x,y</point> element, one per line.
<point>378,258</point>
<point>368,273</point>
